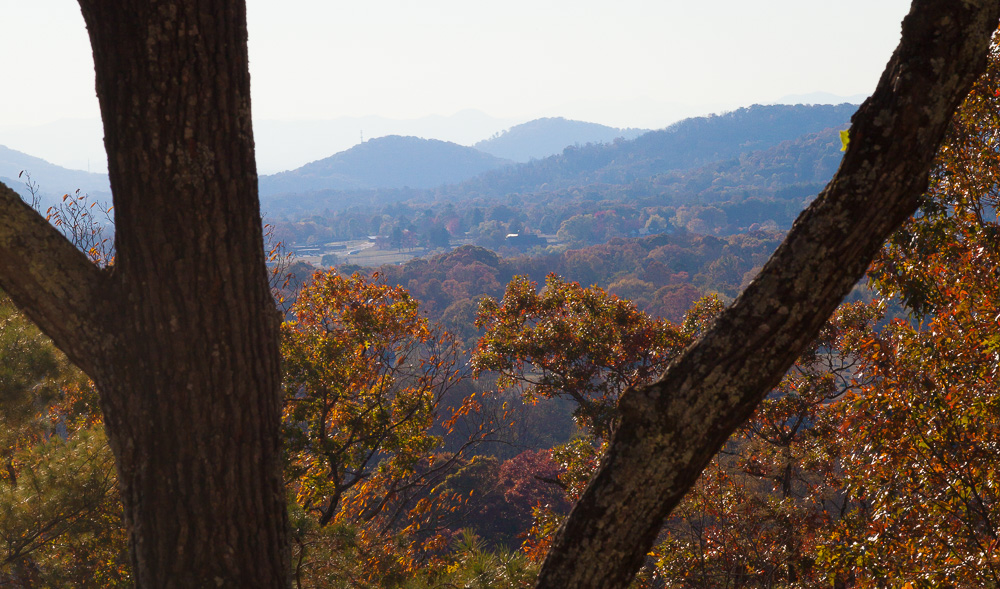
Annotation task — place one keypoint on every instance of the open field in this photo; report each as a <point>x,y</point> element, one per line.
<point>366,253</point>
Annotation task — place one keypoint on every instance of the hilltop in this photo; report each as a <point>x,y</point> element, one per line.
<point>684,145</point>
<point>549,136</point>
<point>50,178</point>
<point>386,162</point>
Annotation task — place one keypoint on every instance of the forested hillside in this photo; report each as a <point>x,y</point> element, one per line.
<point>684,145</point>
<point>442,415</point>
<point>596,192</point>
<point>549,136</point>
<point>764,189</point>
<point>386,162</point>
<point>51,181</point>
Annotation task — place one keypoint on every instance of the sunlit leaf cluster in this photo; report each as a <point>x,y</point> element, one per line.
<point>364,378</point>
<point>574,342</point>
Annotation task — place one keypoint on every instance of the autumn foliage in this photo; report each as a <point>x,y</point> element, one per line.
<point>573,342</point>
<point>872,464</point>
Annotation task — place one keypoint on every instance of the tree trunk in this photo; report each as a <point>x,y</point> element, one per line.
<point>671,429</point>
<point>181,337</point>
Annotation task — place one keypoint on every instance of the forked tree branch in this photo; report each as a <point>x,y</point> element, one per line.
<point>671,429</point>
<point>52,281</point>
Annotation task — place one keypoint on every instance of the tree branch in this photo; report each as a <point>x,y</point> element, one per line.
<point>53,282</point>
<point>671,430</point>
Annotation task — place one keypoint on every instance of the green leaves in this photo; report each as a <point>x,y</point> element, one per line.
<point>60,518</point>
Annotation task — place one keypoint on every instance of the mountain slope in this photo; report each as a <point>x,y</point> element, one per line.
<point>284,145</point>
<point>386,162</point>
<point>549,136</point>
<point>687,144</point>
<point>52,180</point>
<point>790,170</point>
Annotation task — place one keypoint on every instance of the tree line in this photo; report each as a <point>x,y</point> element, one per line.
<point>189,393</point>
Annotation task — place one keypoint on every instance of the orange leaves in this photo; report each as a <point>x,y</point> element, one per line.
<point>923,432</point>
<point>366,383</point>
<point>364,378</point>
<point>574,342</point>
<point>88,225</point>
<point>924,448</point>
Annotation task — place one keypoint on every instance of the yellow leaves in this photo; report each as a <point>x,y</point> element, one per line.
<point>363,377</point>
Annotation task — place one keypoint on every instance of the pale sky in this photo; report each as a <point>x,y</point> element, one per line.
<point>625,63</point>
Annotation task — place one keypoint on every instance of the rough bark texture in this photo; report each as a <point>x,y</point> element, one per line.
<point>670,430</point>
<point>181,337</point>
<point>38,266</point>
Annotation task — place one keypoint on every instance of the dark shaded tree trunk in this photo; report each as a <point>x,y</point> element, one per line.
<point>181,336</point>
<point>671,429</point>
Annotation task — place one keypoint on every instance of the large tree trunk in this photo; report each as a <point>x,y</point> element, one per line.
<point>181,336</point>
<point>670,430</point>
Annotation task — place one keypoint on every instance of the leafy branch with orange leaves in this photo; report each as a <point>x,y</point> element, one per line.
<point>370,389</point>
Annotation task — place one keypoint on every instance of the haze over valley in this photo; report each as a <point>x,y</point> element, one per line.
<point>479,263</point>
<point>409,162</point>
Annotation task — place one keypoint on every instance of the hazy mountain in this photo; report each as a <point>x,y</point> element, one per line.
<point>821,98</point>
<point>77,144</point>
<point>280,144</point>
<point>790,170</point>
<point>386,162</point>
<point>777,152</point>
<point>53,181</point>
<point>549,136</point>
<point>684,145</point>
<point>284,145</point>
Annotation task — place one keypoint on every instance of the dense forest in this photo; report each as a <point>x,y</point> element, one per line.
<point>617,170</point>
<point>440,416</point>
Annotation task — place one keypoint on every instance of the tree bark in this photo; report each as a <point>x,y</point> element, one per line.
<point>181,336</point>
<point>671,429</point>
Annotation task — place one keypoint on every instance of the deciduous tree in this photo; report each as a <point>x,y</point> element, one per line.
<point>181,336</point>
<point>923,430</point>
<point>60,518</point>
<point>671,429</point>
<point>365,378</point>
<point>573,342</point>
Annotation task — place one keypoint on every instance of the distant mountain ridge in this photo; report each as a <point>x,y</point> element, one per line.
<point>285,145</point>
<point>53,181</point>
<point>386,162</point>
<point>549,136</point>
<point>401,168</point>
<point>782,152</point>
<point>791,170</point>
<point>687,144</point>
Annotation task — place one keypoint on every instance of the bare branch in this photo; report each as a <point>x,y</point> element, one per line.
<point>51,280</point>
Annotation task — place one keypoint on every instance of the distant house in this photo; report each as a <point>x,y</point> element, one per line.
<point>524,241</point>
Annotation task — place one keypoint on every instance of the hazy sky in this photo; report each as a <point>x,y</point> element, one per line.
<point>639,63</point>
